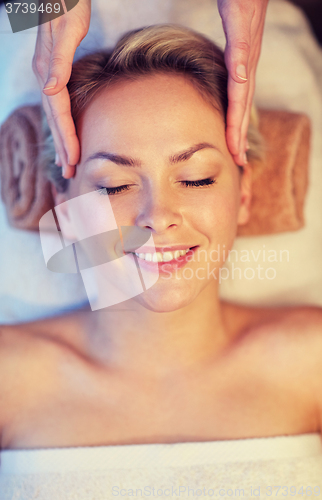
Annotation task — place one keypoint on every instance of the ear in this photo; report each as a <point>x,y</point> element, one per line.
<point>62,213</point>
<point>245,195</point>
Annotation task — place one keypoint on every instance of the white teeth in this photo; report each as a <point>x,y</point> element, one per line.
<point>157,257</point>
<point>161,256</point>
<point>167,256</point>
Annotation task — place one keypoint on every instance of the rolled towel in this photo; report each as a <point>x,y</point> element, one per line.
<point>279,181</point>
<point>25,190</point>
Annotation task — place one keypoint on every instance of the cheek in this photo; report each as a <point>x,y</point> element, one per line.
<point>91,214</point>
<point>217,217</point>
<point>125,209</point>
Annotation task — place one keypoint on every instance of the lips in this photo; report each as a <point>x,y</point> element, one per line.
<point>171,264</point>
<point>164,248</point>
<point>161,256</point>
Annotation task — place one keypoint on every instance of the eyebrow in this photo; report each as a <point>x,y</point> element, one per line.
<point>127,161</point>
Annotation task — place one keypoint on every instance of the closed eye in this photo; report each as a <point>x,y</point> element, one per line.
<point>202,182</point>
<point>111,191</point>
<point>118,189</point>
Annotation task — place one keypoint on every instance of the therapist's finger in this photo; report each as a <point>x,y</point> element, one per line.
<point>256,35</point>
<point>65,43</point>
<point>236,18</point>
<point>64,47</point>
<point>55,48</point>
<point>63,124</point>
<point>246,119</point>
<point>235,116</point>
<point>64,135</point>
<point>243,22</point>
<point>59,149</point>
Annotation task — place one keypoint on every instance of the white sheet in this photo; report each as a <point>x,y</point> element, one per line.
<point>289,77</point>
<point>234,468</point>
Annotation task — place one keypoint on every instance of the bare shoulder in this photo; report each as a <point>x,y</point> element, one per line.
<point>297,333</point>
<point>63,330</point>
<point>20,357</point>
<point>300,328</point>
<point>304,319</point>
<point>30,353</point>
<point>32,342</point>
<point>298,325</point>
<point>15,349</point>
<point>13,362</point>
<point>284,346</point>
<point>288,338</point>
<point>295,338</point>
<point>285,321</point>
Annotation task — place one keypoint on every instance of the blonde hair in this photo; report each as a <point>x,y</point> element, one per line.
<point>149,50</point>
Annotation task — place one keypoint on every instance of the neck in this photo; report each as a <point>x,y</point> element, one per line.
<point>132,338</point>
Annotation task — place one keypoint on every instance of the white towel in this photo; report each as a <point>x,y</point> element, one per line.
<point>282,466</point>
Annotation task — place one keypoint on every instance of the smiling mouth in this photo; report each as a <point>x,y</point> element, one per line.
<point>163,256</point>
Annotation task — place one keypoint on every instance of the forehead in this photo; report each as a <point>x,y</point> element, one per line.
<point>167,106</point>
<point>151,89</point>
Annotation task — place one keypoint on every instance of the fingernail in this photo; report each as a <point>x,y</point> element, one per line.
<point>51,83</point>
<point>56,159</point>
<point>241,72</point>
<point>245,159</point>
<point>63,170</point>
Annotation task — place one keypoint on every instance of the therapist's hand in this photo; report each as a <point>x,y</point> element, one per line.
<point>243,22</point>
<point>56,44</point>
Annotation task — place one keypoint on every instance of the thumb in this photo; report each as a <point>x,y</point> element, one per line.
<point>61,60</point>
<point>237,28</point>
<point>236,57</point>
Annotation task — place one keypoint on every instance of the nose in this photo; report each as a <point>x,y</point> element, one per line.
<point>159,211</point>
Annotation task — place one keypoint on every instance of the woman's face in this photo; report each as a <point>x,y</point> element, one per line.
<point>159,138</point>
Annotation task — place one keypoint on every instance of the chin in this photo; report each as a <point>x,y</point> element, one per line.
<point>165,301</point>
